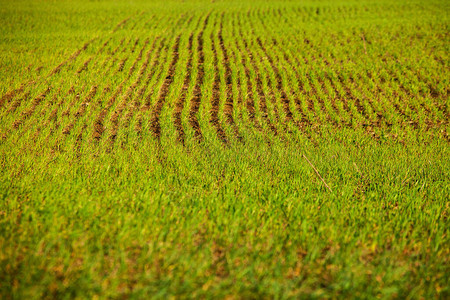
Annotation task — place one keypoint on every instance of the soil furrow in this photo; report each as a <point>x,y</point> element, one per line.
<point>228,110</point>
<point>259,85</point>
<point>115,116</point>
<point>360,108</point>
<point>321,84</point>
<point>155,125</point>
<point>147,101</point>
<point>285,100</point>
<point>304,118</point>
<point>312,91</point>
<point>121,24</point>
<point>153,68</point>
<point>16,103</point>
<point>124,49</point>
<point>322,79</point>
<point>136,42</point>
<point>410,95</point>
<point>84,66</point>
<point>44,124</point>
<point>79,140</point>
<point>128,95</point>
<point>338,80</point>
<point>99,122</point>
<point>115,50</point>
<point>308,93</point>
<point>310,76</point>
<point>81,110</point>
<point>338,96</point>
<point>196,97</point>
<point>100,50</point>
<point>24,116</point>
<point>53,119</point>
<point>319,91</point>
<point>332,98</point>
<point>304,121</point>
<point>180,103</point>
<point>74,55</point>
<point>215,98</point>
<point>27,113</point>
<point>250,98</point>
<point>9,96</point>
<point>137,97</point>
<point>393,99</point>
<point>260,91</point>
<point>99,129</point>
<point>380,118</point>
<point>122,65</point>
<point>279,83</point>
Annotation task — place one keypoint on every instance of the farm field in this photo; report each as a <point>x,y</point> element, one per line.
<point>224,149</point>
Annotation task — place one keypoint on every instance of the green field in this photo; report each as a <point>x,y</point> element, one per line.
<point>224,149</point>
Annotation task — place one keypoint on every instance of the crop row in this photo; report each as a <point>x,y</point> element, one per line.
<point>223,75</point>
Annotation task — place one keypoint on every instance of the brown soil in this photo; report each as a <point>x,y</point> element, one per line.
<point>81,110</point>
<point>27,113</point>
<point>147,103</point>
<point>195,100</point>
<point>74,55</point>
<point>121,24</point>
<point>52,120</point>
<point>359,107</point>
<point>228,110</point>
<point>98,123</point>
<point>180,103</point>
<point>250,103</point>
<point>79,140</point>
<point>137,98</point>
<point>215,100</point>
<point>9,96</point>
<point>118,47</point>
<point>136,42</point>
<point>122,64</point>
<point>297,102</point>
<point>100,50</point>
<point>85,65</point>
<point>18,102</point>
<point>279,83</point>
<point>259,89</point>
<point>125,49</point>
<point>155,126</point>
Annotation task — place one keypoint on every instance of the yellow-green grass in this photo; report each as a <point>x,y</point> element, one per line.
<point>213,149</point>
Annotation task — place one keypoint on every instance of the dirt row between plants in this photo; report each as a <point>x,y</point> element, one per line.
<point>215,97</point>
<point>260,91</point>
<point>179,105</point>
<point>116,115</point>
<point>229,103</point>
<point>10,95</point>
<point>250,100</point>
<point>155,126</point>
<point>99,128</point>
<point>196,97</point>
<point>29,112</point>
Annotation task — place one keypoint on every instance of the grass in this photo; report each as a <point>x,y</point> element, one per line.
<point>135,214</point>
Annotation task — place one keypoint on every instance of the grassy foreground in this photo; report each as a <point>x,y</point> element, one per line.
<point>250,221</point>
<point>132,212</point>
